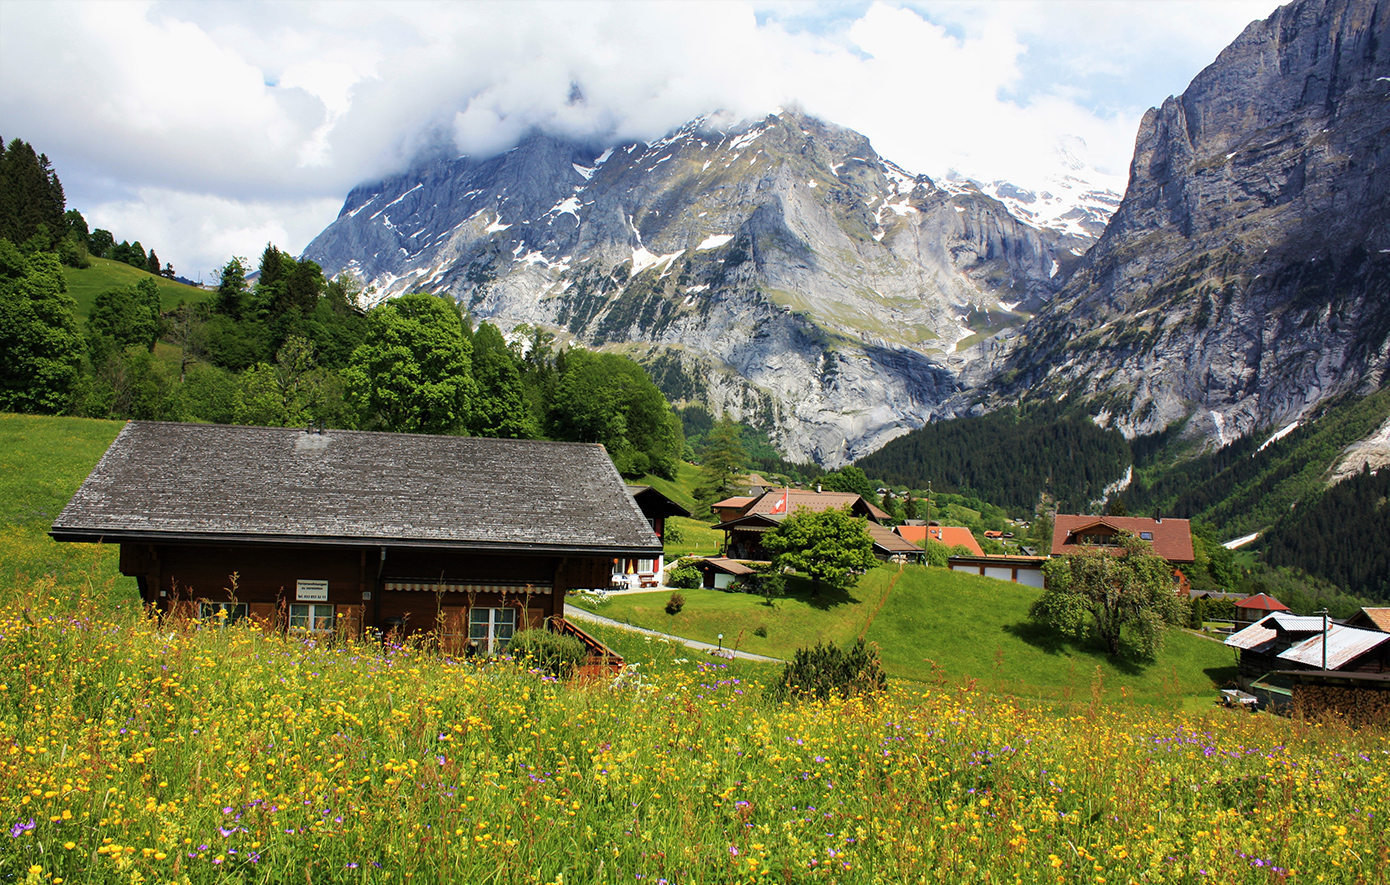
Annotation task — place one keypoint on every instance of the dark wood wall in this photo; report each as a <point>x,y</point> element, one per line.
<point>264,577</point>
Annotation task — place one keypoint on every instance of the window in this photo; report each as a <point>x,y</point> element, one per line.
<point>222,613</point>
<point>1146,536</point>
<point>313,617</point>
<point>490,629</point>
<point>646,565</point>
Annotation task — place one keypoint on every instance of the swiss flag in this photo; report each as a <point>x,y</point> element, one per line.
<point>781,506</point>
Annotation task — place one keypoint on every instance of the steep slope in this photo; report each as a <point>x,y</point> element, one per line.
<point>778,269</point>
<point>1246,275</point>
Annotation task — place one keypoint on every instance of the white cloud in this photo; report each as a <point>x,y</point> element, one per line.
<point>249,118</point>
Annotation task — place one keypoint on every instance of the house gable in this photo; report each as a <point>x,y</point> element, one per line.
<point>1170,538</point>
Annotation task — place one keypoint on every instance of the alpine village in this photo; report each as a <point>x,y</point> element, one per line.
<point>732,508</point>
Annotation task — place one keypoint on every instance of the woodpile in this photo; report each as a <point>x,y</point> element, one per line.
<point>1355,706</point>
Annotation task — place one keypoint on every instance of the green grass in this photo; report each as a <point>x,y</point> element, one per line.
<point>84,285</point>
<point>42,462</point>
<point>938,626</point>
<point>697,538</point>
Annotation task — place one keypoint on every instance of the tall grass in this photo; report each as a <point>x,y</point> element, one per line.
<point>139,751</point>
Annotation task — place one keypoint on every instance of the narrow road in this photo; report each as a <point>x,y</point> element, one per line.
<point>579,614</point>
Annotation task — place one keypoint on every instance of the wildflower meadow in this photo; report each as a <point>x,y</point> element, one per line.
<point>138,751</point>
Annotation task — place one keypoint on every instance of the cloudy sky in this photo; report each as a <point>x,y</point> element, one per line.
<point>207,129</point>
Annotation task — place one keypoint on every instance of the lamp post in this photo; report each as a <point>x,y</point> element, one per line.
<point>721,641</point>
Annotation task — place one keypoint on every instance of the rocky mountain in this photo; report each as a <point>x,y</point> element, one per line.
<point>778,269</point>
<point>1075,200</point>
<point>1246,274</point>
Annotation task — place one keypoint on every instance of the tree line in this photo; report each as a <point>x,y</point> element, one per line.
<point>33,212</point>
<point>1010,457</point>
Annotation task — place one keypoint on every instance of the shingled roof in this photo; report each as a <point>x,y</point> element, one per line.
<point>198,482</point>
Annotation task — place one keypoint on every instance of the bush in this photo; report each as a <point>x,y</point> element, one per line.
<point>684,575</point>
<point>675,604</point>
<point>760,631</point>
<point>767,581</point>
<point>555,654</point>
<point>825,669</point>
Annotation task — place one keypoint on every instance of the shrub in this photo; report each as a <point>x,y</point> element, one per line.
<point>675,604</point>
<point>826,669</point>
<point>760,630</point>
<point>767,581</point>
<point>684,575</point>
<point>555,654</point>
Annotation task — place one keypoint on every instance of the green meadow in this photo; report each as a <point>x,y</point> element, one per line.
<point>85,284</point>
<point>136,750</point>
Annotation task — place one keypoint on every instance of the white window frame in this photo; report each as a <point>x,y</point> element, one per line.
<point>491,629</point>
<point>312,617</point>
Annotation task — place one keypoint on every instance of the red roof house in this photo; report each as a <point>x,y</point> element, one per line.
<point>1171,538</point>
<point>951,536</point>
<point>1253,608</point>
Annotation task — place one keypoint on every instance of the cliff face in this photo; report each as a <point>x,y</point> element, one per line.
<point>779,270</point>
<point>1246,274</point>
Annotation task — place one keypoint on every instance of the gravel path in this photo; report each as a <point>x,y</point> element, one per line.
<point>579,614</point>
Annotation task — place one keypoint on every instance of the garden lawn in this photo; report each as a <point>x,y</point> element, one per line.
<point>937,626</point>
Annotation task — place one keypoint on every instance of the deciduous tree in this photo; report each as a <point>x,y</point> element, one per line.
<point>830,545</point>
<point>1106,592</point>
<point>38,334</point>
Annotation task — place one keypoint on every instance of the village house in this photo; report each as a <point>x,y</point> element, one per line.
<point>345,531</point>
<point>746,519</point>
<point>1170,538</point>
<point>1287,659</point>
<point>947,535</point>
<point>1254,608</point>
<point>646,572</point>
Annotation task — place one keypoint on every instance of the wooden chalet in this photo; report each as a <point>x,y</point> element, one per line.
<point>657,508</point>
<point>744,520</point>
<point>1377,619</point>
<point>339,531</point>
<point>1257,607</point>
<point>1315,665</point>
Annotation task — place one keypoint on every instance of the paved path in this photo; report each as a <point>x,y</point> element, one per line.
<point>579,614</point>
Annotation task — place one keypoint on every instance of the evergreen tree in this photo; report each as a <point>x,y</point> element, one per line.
<point>152,263</point>
<point>722,461</point>
<point>30,195</point>
<point>230,300</point>
<point>500,409</point>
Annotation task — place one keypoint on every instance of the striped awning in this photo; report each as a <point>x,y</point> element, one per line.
<point>510,588</point>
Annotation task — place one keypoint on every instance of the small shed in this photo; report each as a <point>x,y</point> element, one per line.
<point>720,572</point>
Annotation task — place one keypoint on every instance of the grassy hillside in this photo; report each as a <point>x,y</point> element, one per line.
<point>84,285</point>
<point>937,626</point>
<point>42,462</point>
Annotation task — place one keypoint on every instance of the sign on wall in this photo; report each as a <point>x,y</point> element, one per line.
<point>310,591</point>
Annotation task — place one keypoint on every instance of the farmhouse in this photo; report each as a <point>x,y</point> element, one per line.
<point>949,535</point>
<point>342,531</point>
<point>1170,538</point>
<point>746,519</point>
<point>657,508</point>
<point>1315,663</point>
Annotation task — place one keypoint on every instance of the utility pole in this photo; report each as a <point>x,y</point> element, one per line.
<point>928,508</point>
<point>1324,637</point>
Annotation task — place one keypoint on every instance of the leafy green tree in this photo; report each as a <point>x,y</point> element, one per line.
<point>123,317</point>
<point>609,399</point>
<point>208,394</point>
<point>500,409</point>
<point>42,347</point>
<point>852,480</point>
<point>1104,594</point>
<point>831,545</point>
<point>414,371</point>
<point>100,243</point>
